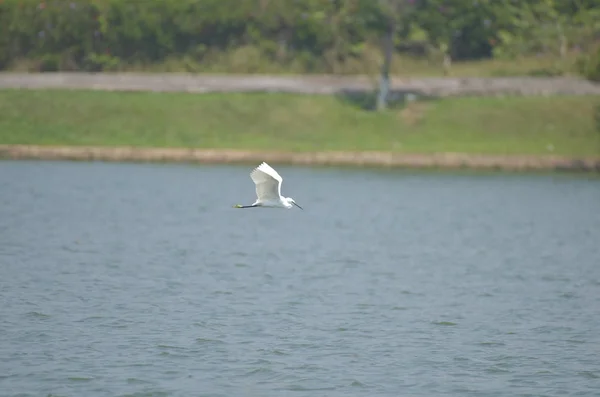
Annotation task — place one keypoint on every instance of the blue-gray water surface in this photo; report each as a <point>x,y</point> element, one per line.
<point>142,280</point>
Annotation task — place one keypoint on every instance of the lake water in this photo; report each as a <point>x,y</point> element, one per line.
<point>142,280</point>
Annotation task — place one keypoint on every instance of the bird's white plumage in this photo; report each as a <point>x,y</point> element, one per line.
<point>268,183</point>
<point>268,189</point>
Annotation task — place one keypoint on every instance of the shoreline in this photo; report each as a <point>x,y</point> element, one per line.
<point>338,158</point>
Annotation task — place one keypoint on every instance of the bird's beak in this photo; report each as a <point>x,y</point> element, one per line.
<point>298,206</point>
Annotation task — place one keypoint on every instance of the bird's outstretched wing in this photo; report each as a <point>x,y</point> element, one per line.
<point>267,181</point>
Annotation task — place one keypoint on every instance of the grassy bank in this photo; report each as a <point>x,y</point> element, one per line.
<point>240,61</point>
<point>249,60</point>
<point>286,122</point>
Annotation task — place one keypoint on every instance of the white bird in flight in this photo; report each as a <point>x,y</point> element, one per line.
<point>268,189</point>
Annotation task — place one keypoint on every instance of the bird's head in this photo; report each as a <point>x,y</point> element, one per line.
<point>291,201</point>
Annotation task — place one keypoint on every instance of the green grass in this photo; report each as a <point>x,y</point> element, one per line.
<point>250,60</point>
<point>369,64</point>
<point>262,121</point>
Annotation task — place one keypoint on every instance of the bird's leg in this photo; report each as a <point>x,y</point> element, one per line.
<point>245,206</point>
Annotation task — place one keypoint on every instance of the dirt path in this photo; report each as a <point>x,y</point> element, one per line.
<point>380,159</point>
<point>305,84</point>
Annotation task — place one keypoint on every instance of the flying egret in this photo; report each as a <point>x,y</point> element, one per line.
<point>268,189</point>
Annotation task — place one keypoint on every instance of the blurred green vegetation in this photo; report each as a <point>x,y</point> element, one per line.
<point>460,37</point>
<point>562,125</point>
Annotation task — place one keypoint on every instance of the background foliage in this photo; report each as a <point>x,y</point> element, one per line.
<point>301,36</point>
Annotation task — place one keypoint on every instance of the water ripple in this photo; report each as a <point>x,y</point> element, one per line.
<point>115,281</point>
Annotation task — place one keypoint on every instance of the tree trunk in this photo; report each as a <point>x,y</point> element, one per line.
<point>447,64</point>
<point>384,82</point>
<point>563,43</point>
